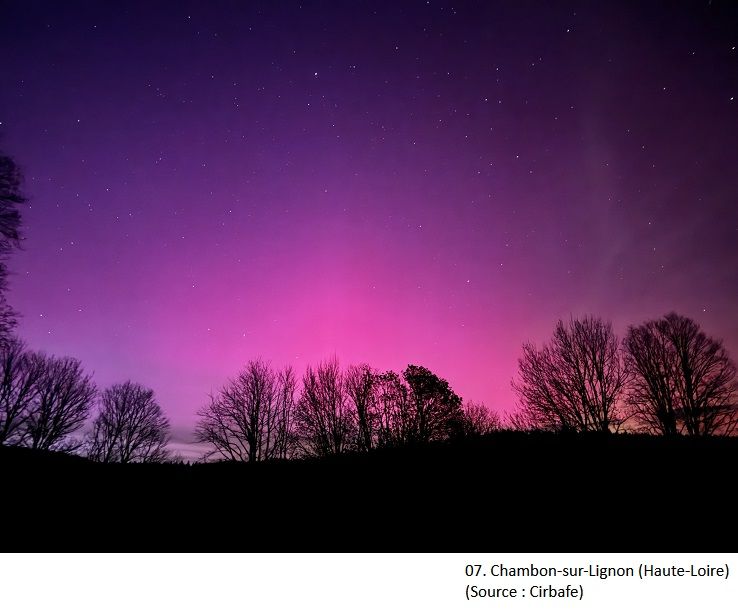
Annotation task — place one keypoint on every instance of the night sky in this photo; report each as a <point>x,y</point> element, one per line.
<point>399,182</point>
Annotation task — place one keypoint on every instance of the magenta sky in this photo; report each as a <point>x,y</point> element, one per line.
<point>211,182</point>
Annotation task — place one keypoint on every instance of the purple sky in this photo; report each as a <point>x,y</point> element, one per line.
<point>415,182</point>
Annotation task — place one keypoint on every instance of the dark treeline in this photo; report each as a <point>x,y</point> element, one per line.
<point>45,401</point>
<point>667,377</point>
<point>260,414</point>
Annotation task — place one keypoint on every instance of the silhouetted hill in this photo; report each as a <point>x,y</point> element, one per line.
<point>12,455</point>
<point>509,490</point>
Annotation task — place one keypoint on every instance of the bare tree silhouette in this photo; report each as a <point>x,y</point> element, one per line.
<point>683,380</point>
<point>250,419</point>
<point>436,409</point>
<point>62,404</point>
<point>8,316</point>
<point>478,420</point>
<point>323,417</point>
<point>360,382</point>
<point>10,198</point>
<point>285,438</point>
<point>130,427</point>
<point>418,407</point>
<point>395,419</point>
<point>10,219</point>
<point>520,421</point>
<point>575,382</point>
<point>20,371</point>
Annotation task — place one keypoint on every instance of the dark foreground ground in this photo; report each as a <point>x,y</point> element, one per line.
<point>510,491</point>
